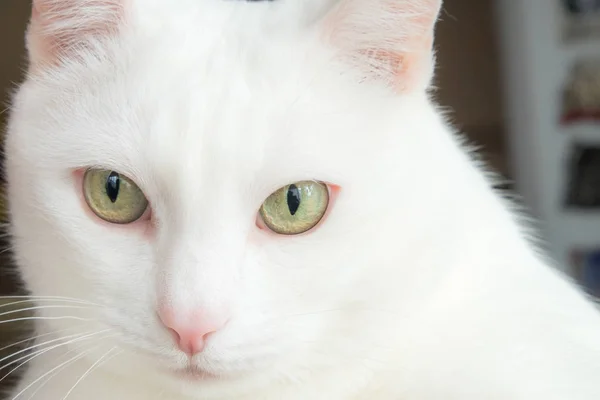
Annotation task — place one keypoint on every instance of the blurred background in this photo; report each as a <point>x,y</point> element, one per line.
<point>521,78</point>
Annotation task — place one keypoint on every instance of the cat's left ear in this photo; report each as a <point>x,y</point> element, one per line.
<point>390,40</point>
<point>60,28</point>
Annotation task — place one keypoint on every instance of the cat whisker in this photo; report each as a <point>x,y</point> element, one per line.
<point>35,337</point>
<point>49,378</point>
<point>94,366</point>
<point>58,301</point>
<point>4,235</point>
<point>63,364</point>
<point>6,250</point>
<point>40,308</point>
<point>61,298</point>
<point>36,346</point>
<point>43,351</point>
<point>7,321</point>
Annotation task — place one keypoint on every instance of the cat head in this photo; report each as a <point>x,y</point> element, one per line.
<point>244,182</point>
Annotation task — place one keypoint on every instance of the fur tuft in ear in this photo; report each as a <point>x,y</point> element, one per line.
<point>391,40</point>
<point>58,27</point>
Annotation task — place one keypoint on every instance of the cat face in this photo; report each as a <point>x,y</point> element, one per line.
<point>150,173</point>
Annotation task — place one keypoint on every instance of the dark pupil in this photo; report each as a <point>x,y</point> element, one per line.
<point>113,182</point>
<point>293,199</point>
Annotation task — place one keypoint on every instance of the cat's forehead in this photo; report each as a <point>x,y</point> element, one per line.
<point>208,90</point>
<point>235,103</point>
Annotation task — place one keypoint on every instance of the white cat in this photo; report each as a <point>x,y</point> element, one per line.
<point>142,153</point>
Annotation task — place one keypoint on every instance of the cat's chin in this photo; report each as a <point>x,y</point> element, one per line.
<point>173,367</point>
<point>194,374</point>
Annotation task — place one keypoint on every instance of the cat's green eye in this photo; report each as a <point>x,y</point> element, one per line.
<point>113,197</point>
<point>295,208</point>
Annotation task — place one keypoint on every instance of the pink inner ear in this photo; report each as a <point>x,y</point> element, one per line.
<point>58,26</point>
<point>409,65</point>
<point>399,37</point>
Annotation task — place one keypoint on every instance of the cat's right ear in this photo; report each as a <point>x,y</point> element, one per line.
<point>58,28</point>
<point>389,40</point>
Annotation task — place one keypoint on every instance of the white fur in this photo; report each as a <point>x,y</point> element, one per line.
<point>419,285</point>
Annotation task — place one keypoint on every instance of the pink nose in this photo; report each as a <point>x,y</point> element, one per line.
<point>190,333</point>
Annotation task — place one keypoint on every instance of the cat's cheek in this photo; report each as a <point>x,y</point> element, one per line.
<point>334,191</point>
<point>144,225</point>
